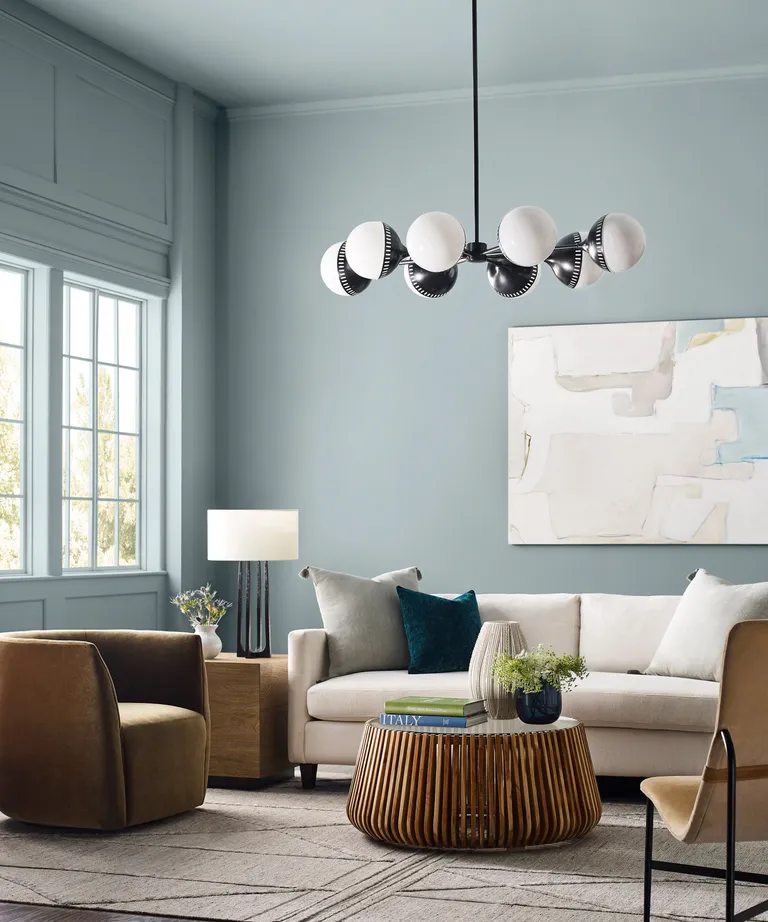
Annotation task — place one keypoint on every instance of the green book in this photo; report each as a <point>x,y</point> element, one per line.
<point>438,707</point>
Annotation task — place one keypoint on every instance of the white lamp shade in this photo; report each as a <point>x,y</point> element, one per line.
<point>253,534</point>
<point>527,235</point>
<point>435,241</point>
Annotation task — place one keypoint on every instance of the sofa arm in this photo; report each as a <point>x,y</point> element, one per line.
<point>61,757</point>
<point>307,664</point>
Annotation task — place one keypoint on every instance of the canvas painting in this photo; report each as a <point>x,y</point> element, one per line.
<point>639,433</point>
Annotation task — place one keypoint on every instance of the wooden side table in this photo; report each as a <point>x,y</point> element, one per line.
<point>249,718</point>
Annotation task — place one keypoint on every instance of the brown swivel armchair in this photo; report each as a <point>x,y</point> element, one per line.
<point>102,729</point>
<point>704,809</point>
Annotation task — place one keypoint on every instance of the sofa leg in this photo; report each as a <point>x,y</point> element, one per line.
<point>308,775</point>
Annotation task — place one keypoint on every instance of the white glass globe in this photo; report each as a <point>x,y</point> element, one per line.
<point>337,274</point>
<point>527,235</point>
<point>374,250</point>
<point>435,241</point>
<point>366,247</point>
<point>329,269</point>
<point>590,272</point>
<point>623,241</point>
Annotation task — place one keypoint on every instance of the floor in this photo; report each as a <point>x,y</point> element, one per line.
<point>610,788</point>
<point>16,912</point>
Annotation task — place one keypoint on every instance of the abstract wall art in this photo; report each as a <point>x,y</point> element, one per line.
<point>639,433</point>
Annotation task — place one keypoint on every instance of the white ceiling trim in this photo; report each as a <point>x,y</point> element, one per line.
<point>583,85</point>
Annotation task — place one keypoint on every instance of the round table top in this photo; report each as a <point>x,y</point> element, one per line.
<point>488,728</point>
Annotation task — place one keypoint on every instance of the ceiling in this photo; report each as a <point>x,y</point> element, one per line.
<point>272,52</point>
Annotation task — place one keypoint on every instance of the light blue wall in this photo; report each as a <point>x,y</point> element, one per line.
<point>107,169</point>
<point>383,418</point>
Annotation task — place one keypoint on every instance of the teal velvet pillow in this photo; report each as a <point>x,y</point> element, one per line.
<point>441,633</point>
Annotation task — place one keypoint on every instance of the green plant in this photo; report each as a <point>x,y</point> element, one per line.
<point>200,606</point>
<point>527,671</point>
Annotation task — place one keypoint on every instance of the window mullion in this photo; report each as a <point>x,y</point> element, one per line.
<point>94,543</point>
<point>116,440</point>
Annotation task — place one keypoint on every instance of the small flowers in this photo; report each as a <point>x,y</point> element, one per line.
<point>530,669</point>
<point>200,606</point>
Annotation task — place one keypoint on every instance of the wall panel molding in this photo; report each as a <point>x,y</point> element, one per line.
<point>91,600</point>
<point>72,42</point>
<point>88,144</point>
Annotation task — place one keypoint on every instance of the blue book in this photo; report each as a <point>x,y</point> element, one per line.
<point>421,720</point>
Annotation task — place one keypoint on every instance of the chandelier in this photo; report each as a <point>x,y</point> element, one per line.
<point>436,244</point>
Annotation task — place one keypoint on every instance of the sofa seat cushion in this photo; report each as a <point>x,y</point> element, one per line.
<point>362,695</point>
<point>164,760</point>
<point>616,699</point>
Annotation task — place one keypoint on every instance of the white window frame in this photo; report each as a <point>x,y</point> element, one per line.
<point>97,291</point>
<point>42,486</point>
<point>10,264</point>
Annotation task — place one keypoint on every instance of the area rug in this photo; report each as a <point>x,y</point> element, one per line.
<point>286,854</point>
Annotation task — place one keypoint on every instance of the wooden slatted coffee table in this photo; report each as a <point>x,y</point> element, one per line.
<point>502,784</point>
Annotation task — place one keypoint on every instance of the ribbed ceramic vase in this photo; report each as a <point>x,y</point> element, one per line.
<point>495,637</point>
<point>210,640</point>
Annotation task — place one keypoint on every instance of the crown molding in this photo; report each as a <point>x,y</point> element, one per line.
<point>543,88</point>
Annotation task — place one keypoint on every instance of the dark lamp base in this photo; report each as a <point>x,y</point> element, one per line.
<point>253,633</point>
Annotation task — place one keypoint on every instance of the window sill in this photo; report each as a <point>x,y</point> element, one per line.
<point>86,574</point>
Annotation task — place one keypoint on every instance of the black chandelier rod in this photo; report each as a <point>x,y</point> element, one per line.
<point>476,120</point>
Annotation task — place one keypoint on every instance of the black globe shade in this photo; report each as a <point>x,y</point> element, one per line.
<point>430,284</point>
<point>509,280</point>
<point>351,282</point>
<point>566,261</point>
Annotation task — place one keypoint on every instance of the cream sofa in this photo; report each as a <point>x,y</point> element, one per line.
<point>637,725</point>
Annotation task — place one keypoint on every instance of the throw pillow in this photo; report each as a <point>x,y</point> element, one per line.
<point>441,632</point>
<point>693,644</point>
<point>362,619</point>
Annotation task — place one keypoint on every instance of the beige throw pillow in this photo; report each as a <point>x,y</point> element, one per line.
<point>362,619</point>
<point>692,647</point>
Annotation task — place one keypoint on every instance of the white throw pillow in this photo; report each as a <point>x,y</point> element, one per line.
<point>362,619</point>
<point>693,644</point>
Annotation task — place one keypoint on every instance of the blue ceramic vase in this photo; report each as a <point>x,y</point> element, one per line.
<point>542,707</point>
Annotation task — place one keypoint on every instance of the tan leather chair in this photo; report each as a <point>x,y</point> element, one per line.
<point>729,801</point>
<point>102,729</point>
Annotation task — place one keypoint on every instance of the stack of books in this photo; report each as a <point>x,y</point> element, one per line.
<point>434,712</point>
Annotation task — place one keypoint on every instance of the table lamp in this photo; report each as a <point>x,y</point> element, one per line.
<point>253,535</point>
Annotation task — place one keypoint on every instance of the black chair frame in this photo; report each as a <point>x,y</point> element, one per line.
<point>730,875</point>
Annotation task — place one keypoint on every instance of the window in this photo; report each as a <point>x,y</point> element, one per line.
<point>101,419</point>
<point>82,424</point>
<point>13,302</point>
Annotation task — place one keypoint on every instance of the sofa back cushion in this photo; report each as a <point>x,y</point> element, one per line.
<point>550,619</point>
<point>621,632</point>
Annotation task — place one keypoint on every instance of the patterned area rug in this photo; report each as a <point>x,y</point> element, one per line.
<point>285,854</point>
